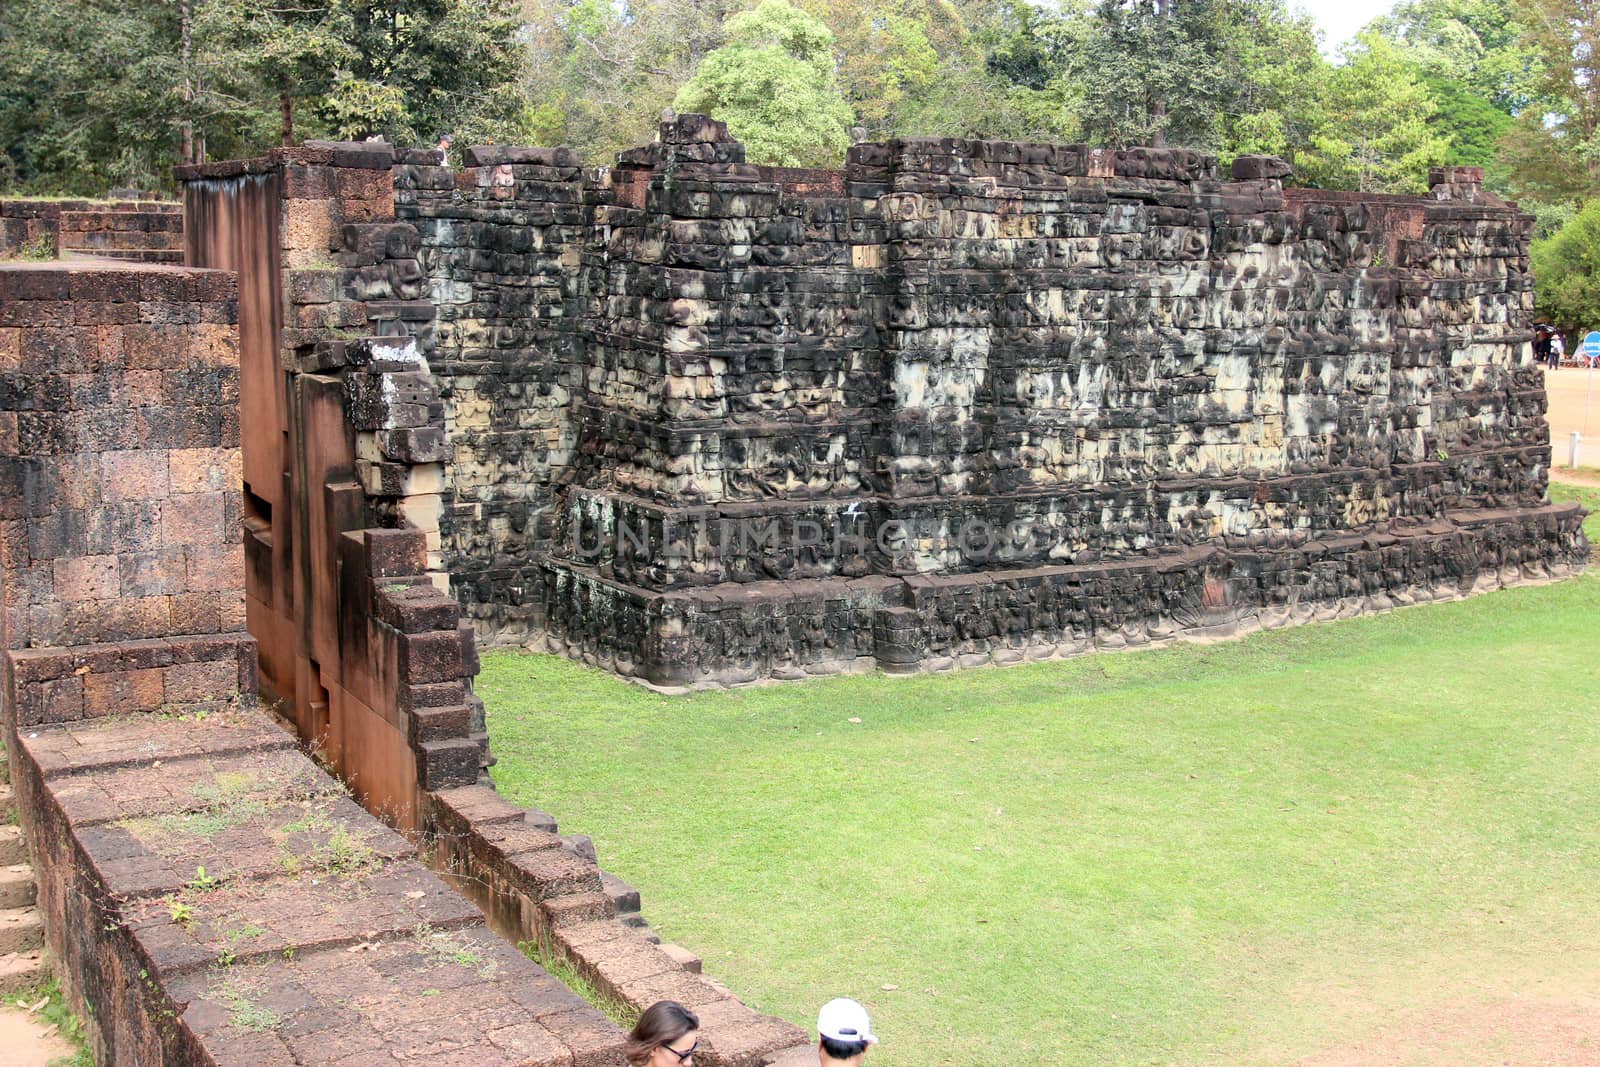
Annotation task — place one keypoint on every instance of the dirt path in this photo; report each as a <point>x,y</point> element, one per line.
<point>27,1043</point>
<point>1572,409</point>
<point>1582,476</point>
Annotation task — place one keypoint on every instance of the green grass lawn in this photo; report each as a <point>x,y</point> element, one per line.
<point>1588,496</point>
<point>1237,853</point>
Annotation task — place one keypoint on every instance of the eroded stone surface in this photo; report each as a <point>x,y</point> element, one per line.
<point>1100,398</point>
<point>269,919</point>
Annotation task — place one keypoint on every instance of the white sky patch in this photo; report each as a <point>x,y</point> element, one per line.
<point>1341,20</point>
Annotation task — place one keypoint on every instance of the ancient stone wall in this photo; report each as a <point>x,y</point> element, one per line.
<point>119,461</point>
<point>204,884</point>
<point>141,231</point>
<point>966,401</point>
<point>502,244</point>
<point>343,430</point>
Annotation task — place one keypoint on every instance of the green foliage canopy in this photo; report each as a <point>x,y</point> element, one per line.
<point>1567,266</point>
<point>773,83</point>
<point>1377,138</point>
<point>97,93</point>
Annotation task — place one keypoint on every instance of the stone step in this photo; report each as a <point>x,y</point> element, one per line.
<point>12,847</point>
<point>17,889</point>
<point>794,1056</point>
<point>21,930</point>
<point>623,895</point>
<point>21,970</point>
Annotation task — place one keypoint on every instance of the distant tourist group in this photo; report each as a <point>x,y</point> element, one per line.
<point>665,1035</point>
<point>1548,347</point>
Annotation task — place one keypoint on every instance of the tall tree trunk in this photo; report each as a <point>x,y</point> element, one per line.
<point>1158,109</point>
<point>188,85</point>
<point>286,111</point>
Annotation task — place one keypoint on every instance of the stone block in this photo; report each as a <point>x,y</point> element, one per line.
<point>156,572</point>
<point>122,692</point>
<point>446,763</point>
<point>214,567</point>
<point>203,470</point>
<point>87,578</point>
<point>193,519</point>
<point>394,553</point>
<point>187,683</point>
<point>430,657</point>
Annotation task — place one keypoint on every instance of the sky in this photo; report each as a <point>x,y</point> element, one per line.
<point>1340,19</point>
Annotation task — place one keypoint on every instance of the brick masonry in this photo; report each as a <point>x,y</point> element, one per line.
<point>218,899</point>
<point>119,455</point>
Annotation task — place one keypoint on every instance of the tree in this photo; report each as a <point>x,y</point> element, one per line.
<point>1567,272</point>
<point>99,93</point>
<point>87,100</point>
<point>598,74</point>
<point>1469,123</point>
<point>1026,52</point>
<point>773,83</point>
<point>889,52</point>
<point>414,69</point>
<point>1221,75</point>
<point>1150,72</point>
<point>1475,44</point>
<point>1555,148</point>
<point>1376,138</point>
<point>288,49</point>
<point>1274,101</point>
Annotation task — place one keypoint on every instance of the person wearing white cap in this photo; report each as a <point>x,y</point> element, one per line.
<point>843,1033</point>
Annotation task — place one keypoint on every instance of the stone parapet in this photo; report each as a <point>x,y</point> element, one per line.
<point>119,454</point>
<point>542,889</point>
<point>141,231</point>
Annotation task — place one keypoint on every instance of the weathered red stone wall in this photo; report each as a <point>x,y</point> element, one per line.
<point>345,449</point>
<point>119,455</point>
<point>121,568</point>
<point>211,897</point>
<point>342,466</point>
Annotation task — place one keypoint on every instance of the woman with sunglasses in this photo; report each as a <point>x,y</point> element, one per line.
<point>663,1037</point>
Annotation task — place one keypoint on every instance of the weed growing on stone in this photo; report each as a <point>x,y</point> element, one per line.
<point>315,820</point>
<point>203,882</point>
<point>618,1011</point>
<point>179,911</point>
<point>244,1013</point>
<point>39,248</point>
<point>288,862</point>
<point>450,948</point>
<point>344,854</point>
<point>341,853</point>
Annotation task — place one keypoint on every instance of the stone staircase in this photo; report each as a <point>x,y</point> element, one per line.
<point>21,929</point>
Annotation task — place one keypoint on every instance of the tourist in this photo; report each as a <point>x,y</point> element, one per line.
<point>1558,348</point>
<point>1541,344</point>
<point>663,1037</point>
<point>843,1033</point>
